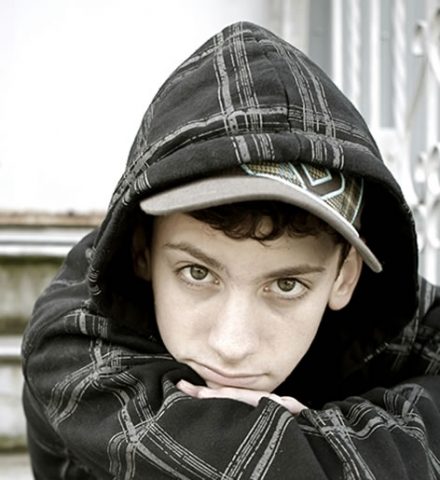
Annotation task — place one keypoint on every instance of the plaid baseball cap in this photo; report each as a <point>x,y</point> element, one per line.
<point>328,194</point>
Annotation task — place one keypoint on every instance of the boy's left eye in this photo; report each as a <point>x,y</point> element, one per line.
<point>286,284</point>
<point>288,288</point>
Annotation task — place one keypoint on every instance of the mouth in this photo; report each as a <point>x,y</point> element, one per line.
<point>215,377</point>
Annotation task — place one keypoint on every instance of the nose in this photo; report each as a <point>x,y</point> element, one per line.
<point>234,333</point>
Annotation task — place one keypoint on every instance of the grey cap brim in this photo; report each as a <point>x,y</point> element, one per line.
<point>216,191</point>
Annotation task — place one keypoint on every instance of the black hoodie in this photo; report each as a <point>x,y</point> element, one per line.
<point>100,394</point>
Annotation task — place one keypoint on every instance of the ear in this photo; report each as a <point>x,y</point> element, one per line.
<point>141,254</point>
<point>346,280</point>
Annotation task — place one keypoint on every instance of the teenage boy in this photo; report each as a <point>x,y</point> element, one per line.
<point>250,306</point>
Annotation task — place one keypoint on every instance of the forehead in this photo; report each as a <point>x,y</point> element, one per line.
<point>182,229</point>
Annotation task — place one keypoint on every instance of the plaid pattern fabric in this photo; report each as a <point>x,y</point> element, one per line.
<point>100,394</point>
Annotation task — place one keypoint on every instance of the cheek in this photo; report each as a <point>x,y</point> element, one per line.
<point>177,319</point>
<point>289,347</point>
<point>294,335</point>
<point>302,321</point>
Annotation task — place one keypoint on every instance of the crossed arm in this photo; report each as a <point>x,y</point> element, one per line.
<point>111,413</point>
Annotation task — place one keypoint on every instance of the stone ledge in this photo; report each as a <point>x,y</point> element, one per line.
<point>44,219</point>
<point>40,234</point>
<point>38,242</point>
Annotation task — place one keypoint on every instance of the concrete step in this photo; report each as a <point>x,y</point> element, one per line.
<point>12,425</point>
<point>32,248</point>
<point>29,259</point>
<point>15,466</point>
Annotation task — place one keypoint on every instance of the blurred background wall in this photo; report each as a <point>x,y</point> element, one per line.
<point>76,77</point>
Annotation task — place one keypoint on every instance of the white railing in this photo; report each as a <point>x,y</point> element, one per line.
<point>408,134</point>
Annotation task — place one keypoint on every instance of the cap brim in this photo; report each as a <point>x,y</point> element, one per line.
<point>216,191</point>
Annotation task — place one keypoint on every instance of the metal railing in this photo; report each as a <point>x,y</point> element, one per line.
<point>386,58</point>
<point>38,242</point>
<point>10,349</point>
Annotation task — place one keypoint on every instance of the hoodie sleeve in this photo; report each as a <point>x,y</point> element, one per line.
<point>98,409</point>
<point>415,352</point>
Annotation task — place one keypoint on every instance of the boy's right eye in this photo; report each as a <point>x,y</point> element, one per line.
<point>197,275</point>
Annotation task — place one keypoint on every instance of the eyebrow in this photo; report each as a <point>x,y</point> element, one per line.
<point>286,272</point>
<point>303,269</point>
<point>196,253</point>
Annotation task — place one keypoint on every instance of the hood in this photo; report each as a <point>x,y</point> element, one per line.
<point>248,96</point>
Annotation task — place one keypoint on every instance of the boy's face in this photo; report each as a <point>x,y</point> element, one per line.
<point>239,312</point>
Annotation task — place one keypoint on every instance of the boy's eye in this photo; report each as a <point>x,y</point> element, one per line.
<point>197,272</point>
<point>287,288</point>
<point>197,275</point>
<point>286,284</point>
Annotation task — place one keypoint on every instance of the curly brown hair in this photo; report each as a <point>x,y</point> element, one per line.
<point>243,220</point>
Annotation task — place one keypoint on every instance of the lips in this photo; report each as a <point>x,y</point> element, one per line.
<point>218,378</point>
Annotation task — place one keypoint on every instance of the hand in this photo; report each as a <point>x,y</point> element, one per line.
<point>251,397</point>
